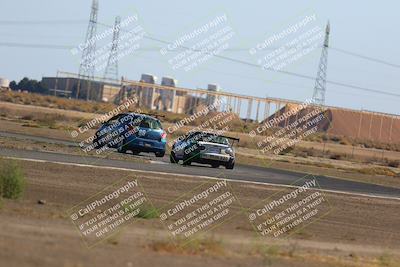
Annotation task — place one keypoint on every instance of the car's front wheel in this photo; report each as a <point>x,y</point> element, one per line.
<point>186,159</point>
<point>187,163</point>
<point>230,165</point>
<point>172,158</point>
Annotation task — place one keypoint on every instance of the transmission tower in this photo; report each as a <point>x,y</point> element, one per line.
<point>111,70</point>
<point>320,83</point>
<point>87,68</point>
<point>88,54</point>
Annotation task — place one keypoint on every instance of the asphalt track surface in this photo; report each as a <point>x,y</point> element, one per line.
<point>241,172</point>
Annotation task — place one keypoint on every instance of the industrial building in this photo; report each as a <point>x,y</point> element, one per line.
<point>89,89</point>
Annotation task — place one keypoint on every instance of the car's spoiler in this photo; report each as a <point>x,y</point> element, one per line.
<point>232,138</point>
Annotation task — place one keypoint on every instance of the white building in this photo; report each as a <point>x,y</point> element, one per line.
<point>4,84</point>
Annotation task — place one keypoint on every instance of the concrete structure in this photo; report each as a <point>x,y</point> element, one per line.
<point>146,93</point>
<point>363,125</point>
<point>4,84</point>
<point>155,99</point>
<point>167,97</point>
<point>233,102</point>
<point>212,99</point>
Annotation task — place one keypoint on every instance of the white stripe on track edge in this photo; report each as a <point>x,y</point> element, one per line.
<point>200,176</point>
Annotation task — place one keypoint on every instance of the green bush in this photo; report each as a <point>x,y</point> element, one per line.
<point>148,212</point>
<point>12,181</point>
<point>145,211</point>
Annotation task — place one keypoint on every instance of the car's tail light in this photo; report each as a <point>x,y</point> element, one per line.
<point>164,135</point>
<point>229,151</point>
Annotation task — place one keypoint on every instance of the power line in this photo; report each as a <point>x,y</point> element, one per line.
<point>62,47</point>
<point>65,21</point>
<point>40,22</point>
<point>285,72</point>
<point>57,22</point>
<point>273,48</point>
<point>365,57</point>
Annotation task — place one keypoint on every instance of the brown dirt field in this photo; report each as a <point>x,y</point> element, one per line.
<point>356,232</point>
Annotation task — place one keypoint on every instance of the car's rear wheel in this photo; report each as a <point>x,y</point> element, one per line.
<point>160,154</point>
<point>121,147</point>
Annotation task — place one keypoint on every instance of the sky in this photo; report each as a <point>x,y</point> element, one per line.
<point>368,28</point>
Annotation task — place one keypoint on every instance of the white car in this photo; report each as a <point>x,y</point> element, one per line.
<point>205,148</point>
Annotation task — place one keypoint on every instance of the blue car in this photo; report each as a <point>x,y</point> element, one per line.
<point>134,132</point>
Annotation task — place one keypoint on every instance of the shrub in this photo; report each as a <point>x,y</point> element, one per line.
<point>378,171</point>
<point>145,211</point>
<point>345,142</point>
<point>335,139</point>
<point>148,212</point>
<point>287,150</point>
<point>12,181</point>
<point>193,246</point>
<point>394,163</point>
<point>336,156</point>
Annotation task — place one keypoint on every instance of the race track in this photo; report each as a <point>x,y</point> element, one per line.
<point>241,172</point>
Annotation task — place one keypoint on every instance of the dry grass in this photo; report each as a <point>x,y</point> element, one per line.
<point>55,102</point>
<point>379,171</point>
<point>196,246</point>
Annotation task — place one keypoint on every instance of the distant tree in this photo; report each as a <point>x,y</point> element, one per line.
<point>23,84</point>
<point>13,85</point>
<point>29,85</point>
<point>43,88</point>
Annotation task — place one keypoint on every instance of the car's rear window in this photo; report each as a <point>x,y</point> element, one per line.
<point>206,137</point>
<point>151,123</point>
<point>218,139</point>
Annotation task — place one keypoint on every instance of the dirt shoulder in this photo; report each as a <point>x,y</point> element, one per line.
<point>43,235</point>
